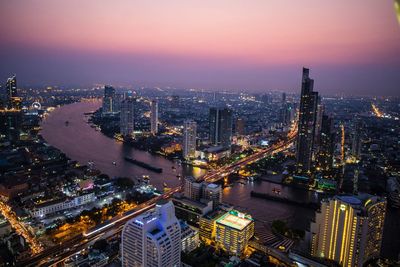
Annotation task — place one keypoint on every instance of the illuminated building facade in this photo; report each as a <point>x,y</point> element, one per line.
<point>220,121</point>
<point>109,100</point>
<point>307,122</point>
<point>152,239</point>
<point>189,139</point>
<point>230,230</point>
<point>127,116</point>
<point>348,229</point>
<point>13,101</point>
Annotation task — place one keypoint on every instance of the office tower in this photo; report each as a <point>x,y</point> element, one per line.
<point>356,142</point>
<point>348,229</point>
<point>127,116</point>
<point>154,117</point>
<point>306,128</point>
<point>318,125</point>
<point>220,120</point>
<point>283,98</point>
<point>108,99</point>
<point>240,127</point>
<point>326,144</point>
<point>192,189</point>
<point>189,139</point>
<point>212,192</point>
<point>152,239</point>
<point>13,101</point>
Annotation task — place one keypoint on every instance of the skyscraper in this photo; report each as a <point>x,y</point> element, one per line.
<point>127,116</point>
<point>220,121</point>
<point>306,128</point>
<point>108,99</point>
<point>348,229</point>
<point>154,117</point>
<point>152,239</point>
<point>318,124</point>
<point>326,144</point>
<point>13,101</point>
<point>189,139</point>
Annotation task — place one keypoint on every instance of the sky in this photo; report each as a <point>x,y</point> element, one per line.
<point>352,47</point>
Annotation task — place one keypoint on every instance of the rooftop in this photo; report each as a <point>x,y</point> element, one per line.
<point>235,219</point>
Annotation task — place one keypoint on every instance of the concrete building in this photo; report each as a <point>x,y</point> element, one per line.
<point>152,239</point>
<point>212,192</point>
<point>189,139</point>
<point>50,207</point>
<point>154,117</point>
<point>192,189</point>
<point>190,238</point>
<point>190,210</point>
<point>230,231</point>
<point>108,100</point>
<point>348,229</point>
<point>127,114</point>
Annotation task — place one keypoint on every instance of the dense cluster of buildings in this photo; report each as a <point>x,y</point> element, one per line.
<point>351,157</point>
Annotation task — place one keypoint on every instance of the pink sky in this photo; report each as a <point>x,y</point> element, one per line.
<point>250,33</point>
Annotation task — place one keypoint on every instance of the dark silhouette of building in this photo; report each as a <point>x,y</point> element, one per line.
<point>307,121</point>
<point>220,120</point>
<point>356,142</point>
<point>326,144</point>
<point>240,127</point>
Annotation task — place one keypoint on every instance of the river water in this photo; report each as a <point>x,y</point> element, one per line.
<point>80,142</point>
<point>83,143</point>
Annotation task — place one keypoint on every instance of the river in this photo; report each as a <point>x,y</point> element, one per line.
<point>83,143</point>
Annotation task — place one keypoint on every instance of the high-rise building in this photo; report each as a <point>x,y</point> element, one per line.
<point>348,229</point>
<point>240,127</point>
<point>212,192</point>
<point>127,116</point>
<point>356,142</point>
<point>154,117</point>
<point>192,188</point>
<point>13,101</point>
<point>326,144</point>
<point>108,99</point>
<point>189,139</point>
<point>220,121</point>
<point>306,128</point>
<point>318,125</point>
<point>202,191</point>
<point>230,230</point>
<point>152,239</point>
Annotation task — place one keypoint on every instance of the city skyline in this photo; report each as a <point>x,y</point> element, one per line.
<point>351,47</point>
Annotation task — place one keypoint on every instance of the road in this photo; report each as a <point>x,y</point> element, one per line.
<point>59,253</point>
<point>276,148</point>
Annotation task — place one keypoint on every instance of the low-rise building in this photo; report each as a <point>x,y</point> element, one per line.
<point>49,207</point>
